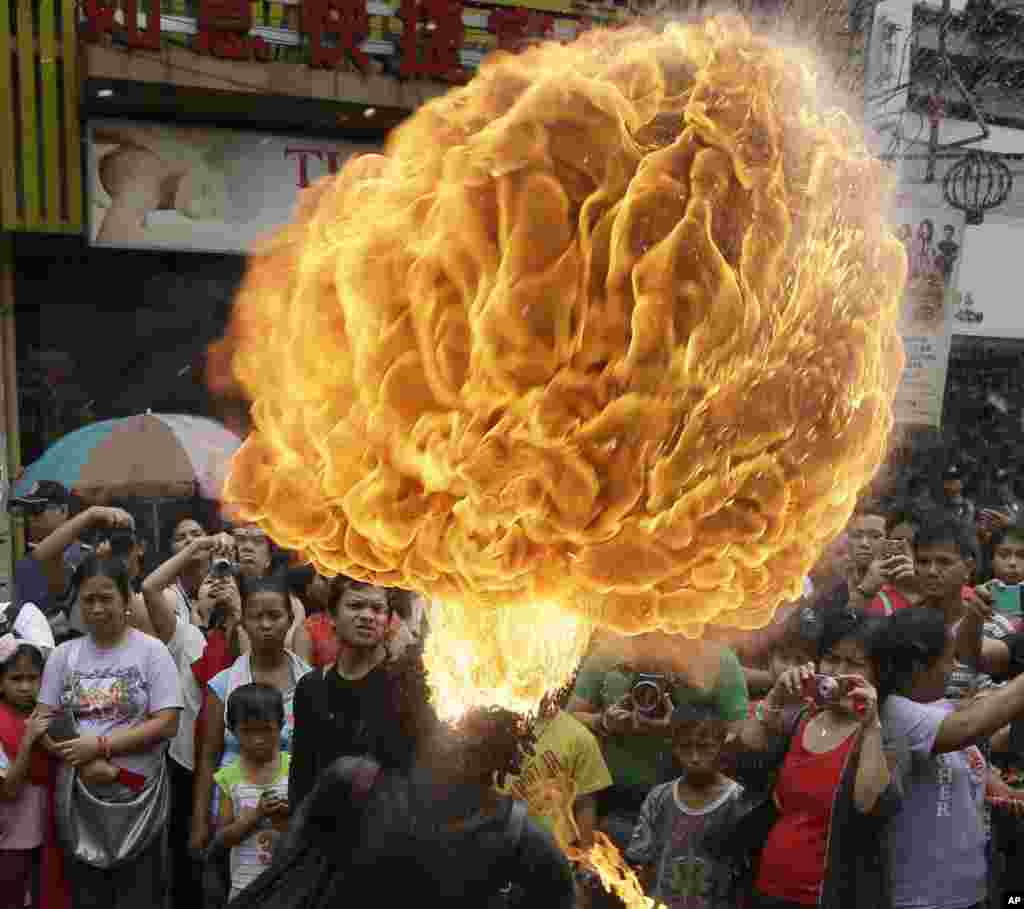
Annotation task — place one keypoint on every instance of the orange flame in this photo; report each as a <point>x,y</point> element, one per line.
<point>616,876</point>
<point>554,798</point>
<point>611,327</point>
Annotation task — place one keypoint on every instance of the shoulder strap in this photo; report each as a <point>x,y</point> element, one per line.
<point>886,602</point>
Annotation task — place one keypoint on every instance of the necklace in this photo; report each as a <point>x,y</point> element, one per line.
<point>825,729</point>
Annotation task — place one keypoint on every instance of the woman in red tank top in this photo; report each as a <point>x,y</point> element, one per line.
<point>832,790</point>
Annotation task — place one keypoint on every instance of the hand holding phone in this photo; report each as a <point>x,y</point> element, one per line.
<point>63,727</point>
<point>1006,598</point>
<point>892,548</point>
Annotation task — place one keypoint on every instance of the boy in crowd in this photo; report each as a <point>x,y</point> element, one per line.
<point>254,789</point>
<point>560,780</point>
<point>559,783</point>
<point>668,842</point>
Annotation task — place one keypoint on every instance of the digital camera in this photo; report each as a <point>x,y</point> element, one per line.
<point>827,689</point>
<point>122,541</point>
<point>648,693</point>
<point>222,567</point>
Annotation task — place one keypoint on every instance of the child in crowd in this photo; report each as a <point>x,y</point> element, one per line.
<point>24,773</point>
<point>1007,559</point>
<point>667,845</point>
<point>254,789</point>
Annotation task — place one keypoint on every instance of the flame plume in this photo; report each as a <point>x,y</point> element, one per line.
<point>612,327</point>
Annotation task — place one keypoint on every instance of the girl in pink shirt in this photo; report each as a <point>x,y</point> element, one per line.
<point>24,774</point>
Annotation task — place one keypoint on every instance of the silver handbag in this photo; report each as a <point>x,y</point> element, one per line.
<point>107,834</point>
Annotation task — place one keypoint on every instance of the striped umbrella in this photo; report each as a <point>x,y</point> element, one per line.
<point>147,456</point>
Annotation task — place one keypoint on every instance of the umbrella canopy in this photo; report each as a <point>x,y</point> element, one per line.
<point>151,456</point>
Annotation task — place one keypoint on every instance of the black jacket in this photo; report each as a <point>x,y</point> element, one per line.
<point>406,841</point>
<point>335,718</point>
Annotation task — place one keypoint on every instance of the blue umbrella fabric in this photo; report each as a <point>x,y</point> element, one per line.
<point>149,455</point>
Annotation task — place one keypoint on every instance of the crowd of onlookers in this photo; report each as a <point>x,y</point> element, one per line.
<point>218,723</point>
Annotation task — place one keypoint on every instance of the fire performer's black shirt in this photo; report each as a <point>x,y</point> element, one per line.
<point>335,717</point>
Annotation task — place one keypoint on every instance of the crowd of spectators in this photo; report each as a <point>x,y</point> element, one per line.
<point>213,723</point>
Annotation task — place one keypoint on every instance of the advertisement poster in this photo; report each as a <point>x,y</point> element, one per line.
<point>186,188</point>
<point>933,238</point>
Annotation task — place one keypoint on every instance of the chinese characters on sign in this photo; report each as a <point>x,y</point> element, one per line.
<point>336,32</point>
<point>346,24</point>
<point>224,31</point>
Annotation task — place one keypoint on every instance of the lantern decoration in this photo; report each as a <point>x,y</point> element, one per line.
<point>979,181</point>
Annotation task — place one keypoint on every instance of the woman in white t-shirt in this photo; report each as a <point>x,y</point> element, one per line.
<point>121,688</point>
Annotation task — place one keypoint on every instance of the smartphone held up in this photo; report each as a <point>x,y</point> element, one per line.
<point>1006,598</point>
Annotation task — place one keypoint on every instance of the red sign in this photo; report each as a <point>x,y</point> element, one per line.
<point>432,34</point>
<point>345,22</point>
<point>224,31</point>
<point>99,15</point>
<point>304,153</point>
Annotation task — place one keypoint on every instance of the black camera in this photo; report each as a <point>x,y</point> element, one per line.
<point>121,540</point>
<point>648,693</point>
<point>218,618</point>
<point>27,507</point>
<point>222,568</point>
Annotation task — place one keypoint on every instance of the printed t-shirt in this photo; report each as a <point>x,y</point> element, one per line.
<point>670,835</point>
<point>22,822</point>
<point>644,760</point>
<point>937,841</point>
<point>793,862</point>
<point>565,765</point>
<point>186,646</point>
<point>112,688</point>
<point>250,858</point>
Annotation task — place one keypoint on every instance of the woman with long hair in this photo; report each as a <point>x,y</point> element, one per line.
<point>833,791</point>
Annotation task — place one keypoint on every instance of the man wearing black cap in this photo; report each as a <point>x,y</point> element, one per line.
<point>45,506</point>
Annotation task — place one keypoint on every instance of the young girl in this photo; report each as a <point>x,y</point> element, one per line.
<point>24,774</point>
<point>254,789</point>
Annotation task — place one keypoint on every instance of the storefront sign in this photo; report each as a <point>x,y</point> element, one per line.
<point>429,39</point>
<point>932,238</point>
<point>163,187</point>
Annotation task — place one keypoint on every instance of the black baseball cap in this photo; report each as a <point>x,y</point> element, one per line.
<point>42,494</point>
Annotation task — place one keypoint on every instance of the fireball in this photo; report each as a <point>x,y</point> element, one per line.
<point>606,338</point>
